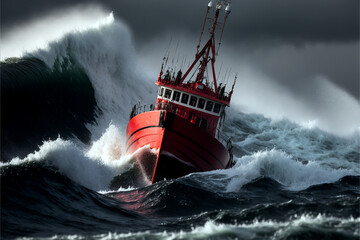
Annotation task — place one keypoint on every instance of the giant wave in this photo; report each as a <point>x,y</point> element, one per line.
<point>65,109</point>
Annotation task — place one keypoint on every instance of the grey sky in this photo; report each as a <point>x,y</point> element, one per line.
<point>252,20</point>
<point>290,41</point>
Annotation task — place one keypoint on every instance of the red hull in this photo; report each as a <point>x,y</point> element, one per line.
<point>183,147</point>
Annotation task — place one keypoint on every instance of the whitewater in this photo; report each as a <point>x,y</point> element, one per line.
<point>293,178</point>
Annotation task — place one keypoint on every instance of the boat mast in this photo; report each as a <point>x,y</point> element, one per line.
<point>202,30</point>
<point>209,46</point>
<point>227,12</point>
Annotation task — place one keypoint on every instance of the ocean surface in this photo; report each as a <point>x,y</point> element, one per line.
<point>64,111</point>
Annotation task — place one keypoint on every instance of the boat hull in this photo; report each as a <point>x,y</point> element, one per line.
<point>182,147</point>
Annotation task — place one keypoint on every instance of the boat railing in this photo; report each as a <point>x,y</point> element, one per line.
<point>138,108</point>
<point>178,110</point>
<point>222,95</point>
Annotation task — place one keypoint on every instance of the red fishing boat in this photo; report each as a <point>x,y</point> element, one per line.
<point>184,124</point>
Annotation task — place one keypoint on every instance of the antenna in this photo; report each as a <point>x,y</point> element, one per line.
<point>182,63</point>
<point>218,77</point>
<point>172,61</point>
<point>167,57</point>
<point>167,50</point>
<point>167,53</point>
<point>206,50</point>
<point>202,29</point>
<point>224,77</point>
<point>227,12</point>
<point>227,78</point>
<point>207,76</point>
<point>232,88</point>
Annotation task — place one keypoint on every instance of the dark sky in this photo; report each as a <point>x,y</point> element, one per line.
<point>296,22</point>
<point>291,41</point>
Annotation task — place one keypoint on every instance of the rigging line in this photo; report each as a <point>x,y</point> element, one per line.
<point>223,78</point>
<point>203,26</point>
<point>183,62</point>
<point>167,50</point>
<point>166,60</point>
<point>194,72</point>
<point>177,60</point>
<point>177,45</point>
<point>172,61</point>
<point>207,75</point>
<point>220,70</point>
<point>227,79</point>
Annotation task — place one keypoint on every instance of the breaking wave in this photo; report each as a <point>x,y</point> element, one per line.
<point>64,112</point>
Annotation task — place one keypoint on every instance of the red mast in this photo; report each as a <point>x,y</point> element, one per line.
<point>191,97</point>
<point>209,46</point>
<point>185,122</point>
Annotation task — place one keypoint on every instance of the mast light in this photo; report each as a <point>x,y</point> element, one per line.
<point>227,9</point>
<point>218,6</point>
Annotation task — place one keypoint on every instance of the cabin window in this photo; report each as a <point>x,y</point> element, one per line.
<point>176,96</point>
<point>184,98</point>
<point>201,103</point>
<point>161,91</point>
<point>209,106</point>
<point>167,93</point>
<point>193,101</point>
<point>217,108</point>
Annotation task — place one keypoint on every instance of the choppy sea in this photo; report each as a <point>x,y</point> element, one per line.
<point>64,111</point>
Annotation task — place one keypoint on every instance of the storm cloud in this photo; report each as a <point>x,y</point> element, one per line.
<point>292,43</point>
<point>252,20</point>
